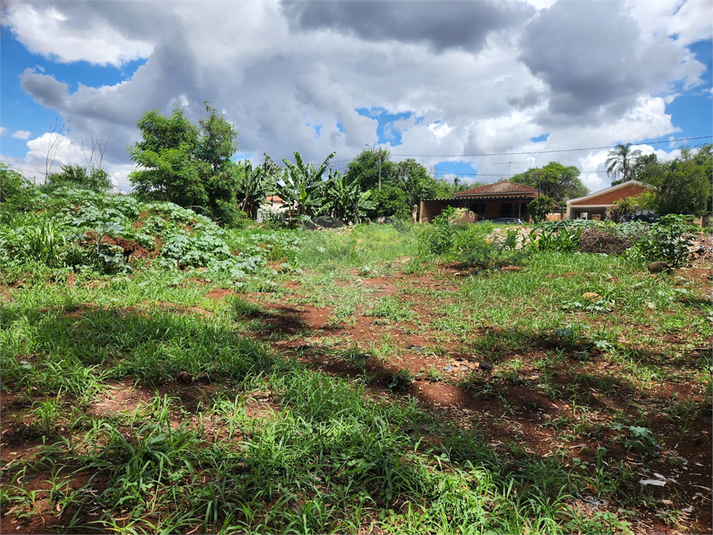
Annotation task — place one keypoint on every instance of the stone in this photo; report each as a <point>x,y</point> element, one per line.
<point>184,378</point>
<point>659,267</point>
<point>485,365</point>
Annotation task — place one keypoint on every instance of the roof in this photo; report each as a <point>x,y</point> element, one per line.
<point>611,189</point>
<point>274,199</point>
<point>499,187</point>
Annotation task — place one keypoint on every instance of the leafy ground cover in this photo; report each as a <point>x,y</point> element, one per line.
<point>343,381</point>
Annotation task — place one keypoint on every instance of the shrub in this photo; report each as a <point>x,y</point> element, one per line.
<point>563,240</point>
<point>540,207</point>
<point>438,238</point>
<point>457,241</point>
<point>668,241</point>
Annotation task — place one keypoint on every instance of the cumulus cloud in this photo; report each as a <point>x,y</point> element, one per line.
<point>473,76</point>
<point>444,24</point>
<point>21,134</point>
<point>35,164</point>
<point>595,63</point>
<point>50,31</point>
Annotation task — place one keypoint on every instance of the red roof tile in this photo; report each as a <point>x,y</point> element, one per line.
<point>499,187</point>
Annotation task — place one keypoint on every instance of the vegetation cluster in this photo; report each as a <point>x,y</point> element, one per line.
<point>162,375</point>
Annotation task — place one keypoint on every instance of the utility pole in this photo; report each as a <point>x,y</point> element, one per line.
<point>509,163</point>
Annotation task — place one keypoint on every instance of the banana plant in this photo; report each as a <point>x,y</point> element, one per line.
<point>301,186</point>
<point>253,185</point>
<point>344,200</point>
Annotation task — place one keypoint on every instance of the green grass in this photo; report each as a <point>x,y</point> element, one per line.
<point>260,441</point>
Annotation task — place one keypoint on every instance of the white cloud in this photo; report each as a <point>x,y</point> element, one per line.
<point>48,31</point>
<point>21,134</point>
<point>276,79</point>
<point>3,131</point>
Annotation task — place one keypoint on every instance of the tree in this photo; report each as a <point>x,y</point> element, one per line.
<point>682,185</point>
<point>413,178</point>
<point>645,165</point>
<point>189,165</point>
<point>12,183</point>
<point>92,178</point>
<point>554,180</point>
<point>372,168</point>
<point>445,189</point>
<point>391,201</point>
<point>540,206</point>
<point>620,163</point>
<point>301,185</point>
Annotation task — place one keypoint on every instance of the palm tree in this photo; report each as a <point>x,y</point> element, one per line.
<point>620,163</point>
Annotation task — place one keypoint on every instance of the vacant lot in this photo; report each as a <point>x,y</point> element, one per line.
<point>355,385</point>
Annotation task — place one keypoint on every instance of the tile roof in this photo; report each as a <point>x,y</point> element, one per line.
<point>499,187</point>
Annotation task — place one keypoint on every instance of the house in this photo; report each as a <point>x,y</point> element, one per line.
<point>594,205</point>
<point>272,206</point>
<point>502,199</point>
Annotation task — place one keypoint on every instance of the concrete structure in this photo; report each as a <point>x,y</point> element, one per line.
<point>594,205</point>
<point>273,205</point>
<point>502,199</point>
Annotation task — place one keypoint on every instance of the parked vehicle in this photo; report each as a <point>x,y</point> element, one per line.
<point>645,216</point>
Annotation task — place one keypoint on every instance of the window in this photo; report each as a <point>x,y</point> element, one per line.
<point>477,208</point>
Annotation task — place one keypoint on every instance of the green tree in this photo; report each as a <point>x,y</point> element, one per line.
<point>372,168</point>
<point>301,185</point>
<point>682,185</point>
<point>391,201</point>
<point>12,183</point>
<point>621,163</point>
<point>554,180</point>
<point>446,190</point>
<point>645,165</point>
<point>540,207</point>
<point>186,164</point>
<point>415,181</point>
<point>94,178</point>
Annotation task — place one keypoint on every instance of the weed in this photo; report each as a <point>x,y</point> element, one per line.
<point>400,380</point>
<point>391,309</point>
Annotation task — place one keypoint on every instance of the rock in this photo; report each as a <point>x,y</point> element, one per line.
<point>591,296</point>
<point>485,365</point>
<point>204,378</point>
<point>659,267</point>
<point>184,378</point>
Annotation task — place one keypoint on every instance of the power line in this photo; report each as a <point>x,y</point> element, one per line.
<point>545,151</point>
<point>480,155</point>
<point>443,173</point>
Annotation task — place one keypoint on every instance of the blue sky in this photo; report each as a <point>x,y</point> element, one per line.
<point>525,89</point>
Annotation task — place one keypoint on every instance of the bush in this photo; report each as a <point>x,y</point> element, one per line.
<point>564,240</point>
<point>438,238</point>
<point>469,243</point>
<point>668,241</point>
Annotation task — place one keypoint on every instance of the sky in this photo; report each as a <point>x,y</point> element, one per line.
<point>479,89</point>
